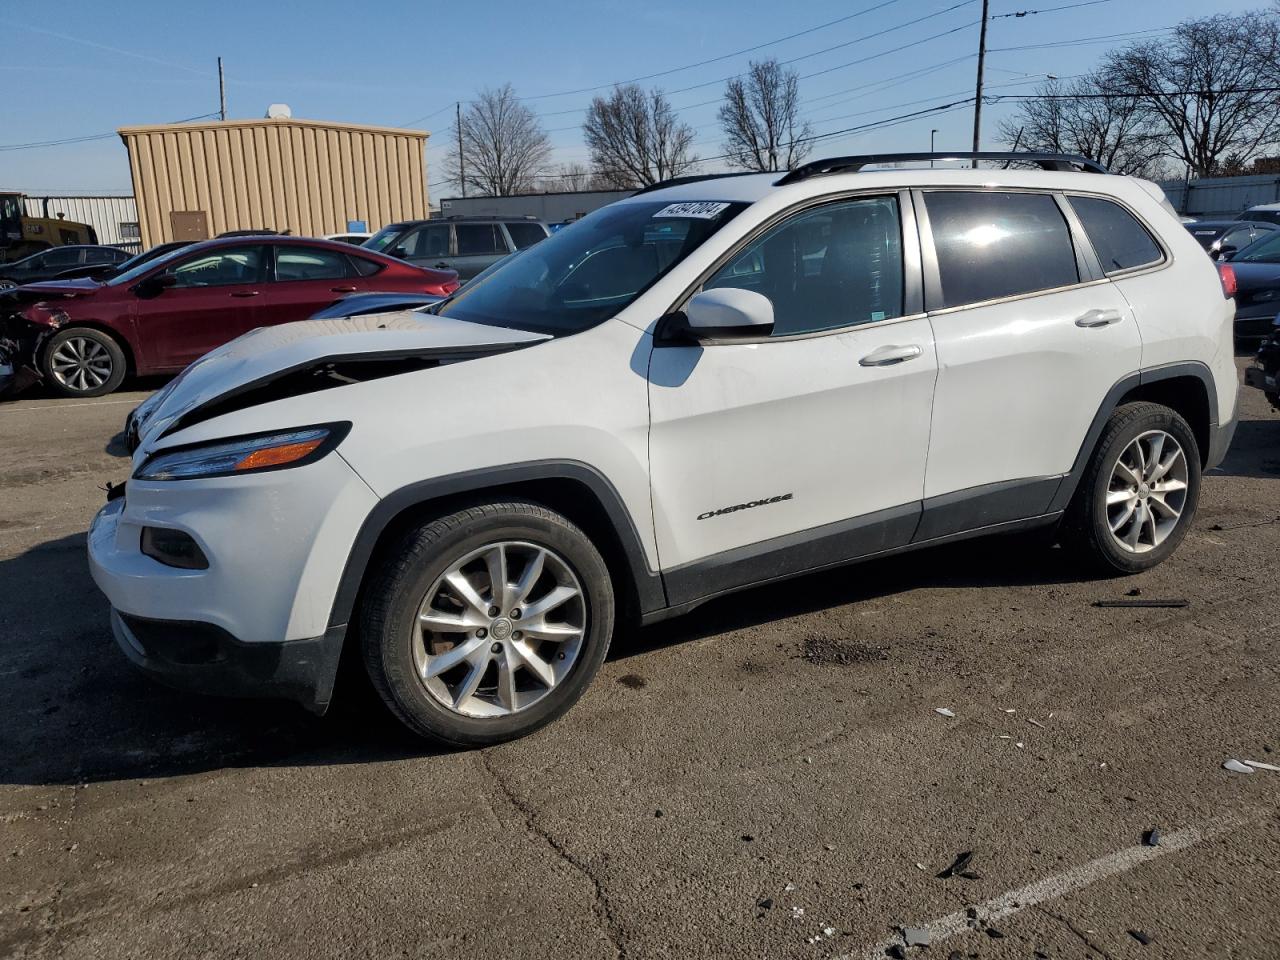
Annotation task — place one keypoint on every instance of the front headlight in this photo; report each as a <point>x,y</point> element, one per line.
<point>251,454</point>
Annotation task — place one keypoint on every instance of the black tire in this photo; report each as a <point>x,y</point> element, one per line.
<point>1087,529</point>
<point>400,583</point>
<point>64,385</point>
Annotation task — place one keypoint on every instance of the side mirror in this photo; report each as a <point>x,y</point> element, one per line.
<point>1225,251</point>
<point>400,253</point>
<point>155,284</point>
<point>727,313</point>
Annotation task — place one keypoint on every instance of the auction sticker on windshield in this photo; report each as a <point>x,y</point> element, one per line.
<point>698,210</point>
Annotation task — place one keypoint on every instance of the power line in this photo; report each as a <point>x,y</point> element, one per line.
<point>36,144</point>
<point>1029,13</point>
<point>690,66</point>
<point>1082,40</point>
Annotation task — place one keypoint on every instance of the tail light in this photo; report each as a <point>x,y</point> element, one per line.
<point>1227,274</point>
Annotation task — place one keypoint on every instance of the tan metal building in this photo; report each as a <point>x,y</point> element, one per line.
<point>197,180</point>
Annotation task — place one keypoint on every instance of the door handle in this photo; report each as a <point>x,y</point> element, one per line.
<point>890,354</point>
<point>347,289</point>
<point>1098,318</point>
<point>246,293</point>
<point>442,265</point>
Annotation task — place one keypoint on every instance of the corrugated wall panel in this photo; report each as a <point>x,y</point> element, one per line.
<point>104,214</point>
<point>302,175</point>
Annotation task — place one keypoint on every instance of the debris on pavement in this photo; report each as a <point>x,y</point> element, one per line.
<point>958,866</point>
<point>1259,765</point>
<point>797,913</point>
<point>916,936</point>
<point>1036,723</point>
<point>766,903</point>
<point>1177,603</point>
<point>1235,766</point>
<point>1135,592</point>
<point>1151,838</point>
<point>1142,938</point>
<point>994,934</point>
<point>896,952</point>
<point>944,711</point>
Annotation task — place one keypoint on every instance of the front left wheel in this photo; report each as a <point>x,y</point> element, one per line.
<point>83,362</point>
<point>483,625</point>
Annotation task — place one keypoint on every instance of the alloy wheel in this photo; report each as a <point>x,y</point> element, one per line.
<point>81,364</point>
<point>1147,492</point>
<point>500,629</point>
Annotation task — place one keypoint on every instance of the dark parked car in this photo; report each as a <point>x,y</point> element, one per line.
<point>105,271</point>
<point>1269,212</point>
<point>1221,238</point>
<point>1265,374</point>
<point>83,336</point>
<point>359,304</point>
<point>51,263</point>
<point>1255,272</point>
<point>465,244</point>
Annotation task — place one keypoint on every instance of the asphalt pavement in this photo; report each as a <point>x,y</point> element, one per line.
<point>766,777</point>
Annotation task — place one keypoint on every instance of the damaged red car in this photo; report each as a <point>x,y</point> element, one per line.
<point>82,337</point>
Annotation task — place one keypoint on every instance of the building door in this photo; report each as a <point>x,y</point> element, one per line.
<point>189,224</point>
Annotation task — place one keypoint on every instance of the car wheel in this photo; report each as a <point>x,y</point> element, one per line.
<point>486,624</point>
<point>1138,496</point>
<point>80,362</point>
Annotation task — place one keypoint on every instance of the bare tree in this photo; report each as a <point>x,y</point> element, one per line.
<point>761,119</point>
<point>1085,117</point>
<point>636,139</point>
<point>572,177</point>
<point>1202,86</point>
<point>503,147</point>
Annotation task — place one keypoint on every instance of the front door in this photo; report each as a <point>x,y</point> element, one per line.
<point>1028,348</point>
<point>807,447</point>
<point>215,296</point>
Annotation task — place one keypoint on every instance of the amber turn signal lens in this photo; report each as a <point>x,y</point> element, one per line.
<point>278,456</point>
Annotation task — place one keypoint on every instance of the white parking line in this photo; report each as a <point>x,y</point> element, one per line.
<point>68,406</point>
<point>1076,878</point>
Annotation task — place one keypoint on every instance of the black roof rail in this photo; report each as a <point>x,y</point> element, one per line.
<point>1045,161</point>
<point>695,178</point>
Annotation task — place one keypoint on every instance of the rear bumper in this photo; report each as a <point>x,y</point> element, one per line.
<point>203,658</point>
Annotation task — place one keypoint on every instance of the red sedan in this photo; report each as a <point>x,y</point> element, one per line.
<point>169,311</point>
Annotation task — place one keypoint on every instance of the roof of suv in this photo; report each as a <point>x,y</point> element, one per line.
<point>846,173</point>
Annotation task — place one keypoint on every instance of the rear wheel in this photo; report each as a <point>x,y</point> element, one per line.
<point>1139,493</point>
<point>486,624</point>
<point>82,362</point>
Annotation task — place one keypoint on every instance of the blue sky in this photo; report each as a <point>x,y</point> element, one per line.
<point>80,69</point>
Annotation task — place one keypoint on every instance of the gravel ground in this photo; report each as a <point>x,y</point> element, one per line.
<point>765,777</point>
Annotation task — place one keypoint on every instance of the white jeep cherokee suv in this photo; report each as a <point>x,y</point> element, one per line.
<point>716,383</point>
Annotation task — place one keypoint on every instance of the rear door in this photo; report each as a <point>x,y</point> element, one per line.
<point>306,279</point>
<point>478,246</point>
<point>1030,339</point>
<point>429,245</point>
<point>216,296</point>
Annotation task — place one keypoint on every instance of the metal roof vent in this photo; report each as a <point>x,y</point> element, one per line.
<point>279,111</point>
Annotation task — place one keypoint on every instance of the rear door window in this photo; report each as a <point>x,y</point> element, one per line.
<point>312,263</point>
<point>479,239</point>
<point>525,234</point>
<point>995,245</point>
<point>1119,240</point>
<point>69,257</point>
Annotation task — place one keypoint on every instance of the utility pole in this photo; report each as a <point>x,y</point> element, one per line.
<point>222,92</point>
<point>977,100</point>
<point>462,160</point>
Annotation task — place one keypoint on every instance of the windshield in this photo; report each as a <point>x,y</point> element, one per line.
<point>1266,250</point>
<point>384,237</point>
<point>584,274</point>
<point>137,270</point>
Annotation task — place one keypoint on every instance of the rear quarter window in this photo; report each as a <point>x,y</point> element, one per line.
<point>1119,240</point>
<point>993,245</point>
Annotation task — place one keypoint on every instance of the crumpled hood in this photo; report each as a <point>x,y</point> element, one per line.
<point>60,288</point>
<point>293,358</point>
